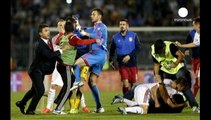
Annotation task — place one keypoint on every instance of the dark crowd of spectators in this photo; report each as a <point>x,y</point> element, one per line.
<point>27,14</point>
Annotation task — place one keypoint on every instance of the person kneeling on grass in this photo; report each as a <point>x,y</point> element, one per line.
<point>157,91</point>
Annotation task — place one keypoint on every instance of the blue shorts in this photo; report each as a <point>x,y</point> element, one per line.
<point>96,60</point>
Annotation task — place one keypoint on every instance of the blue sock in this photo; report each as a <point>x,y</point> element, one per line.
<point>96,94</point>
<point>77,73</point>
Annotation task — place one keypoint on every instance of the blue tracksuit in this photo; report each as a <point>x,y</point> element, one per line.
<point>125,45</point>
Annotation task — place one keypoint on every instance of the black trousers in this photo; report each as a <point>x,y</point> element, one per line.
<point>37,90</point>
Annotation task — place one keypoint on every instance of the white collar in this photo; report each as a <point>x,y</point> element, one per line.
<point>45,40</point>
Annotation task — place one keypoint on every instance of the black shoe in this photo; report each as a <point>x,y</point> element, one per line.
<point>30,112</point>
<point>21,106</point>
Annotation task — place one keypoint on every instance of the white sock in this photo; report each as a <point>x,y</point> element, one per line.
<point>137,110</point>
<point>130,102</point>
<point>51,95</point>
<point>83,104</point>
<point>62,108</point>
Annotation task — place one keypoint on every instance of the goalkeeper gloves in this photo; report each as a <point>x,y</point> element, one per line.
<point>78,26</point>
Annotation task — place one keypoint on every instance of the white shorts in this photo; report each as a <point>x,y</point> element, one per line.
<point>56,78</point>
<point>142,94</point>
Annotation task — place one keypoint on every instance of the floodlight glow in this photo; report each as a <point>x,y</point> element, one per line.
<point>68,1</point>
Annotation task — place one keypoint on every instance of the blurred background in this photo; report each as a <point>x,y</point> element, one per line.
<point>151,19</point>
<point>26,15</point>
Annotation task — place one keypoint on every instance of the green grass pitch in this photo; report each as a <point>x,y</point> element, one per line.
<point>110,114</point>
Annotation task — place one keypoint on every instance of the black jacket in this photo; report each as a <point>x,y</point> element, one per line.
<point>44,59</point>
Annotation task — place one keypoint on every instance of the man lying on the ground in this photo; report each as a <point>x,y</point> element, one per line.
<point>162,102</point>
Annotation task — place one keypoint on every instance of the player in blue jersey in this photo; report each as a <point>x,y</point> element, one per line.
<point>127,46</point>
<point>95,58</point>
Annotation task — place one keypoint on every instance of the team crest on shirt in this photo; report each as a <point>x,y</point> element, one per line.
<point>118,40</point>
<point>130,39</point>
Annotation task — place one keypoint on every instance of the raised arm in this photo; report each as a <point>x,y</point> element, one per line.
<point>74,40</point>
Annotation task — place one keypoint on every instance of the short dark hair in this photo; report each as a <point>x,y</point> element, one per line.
<point>125,20</point>
<point>196,20</point>
<point>159,46</point>
<point>41,26</point>
<point>182,81</point>
<point>69,18</point>
<point>99,11</point>
<point>60,20</point>
<point>69,24</point>
<point>178,98</point>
